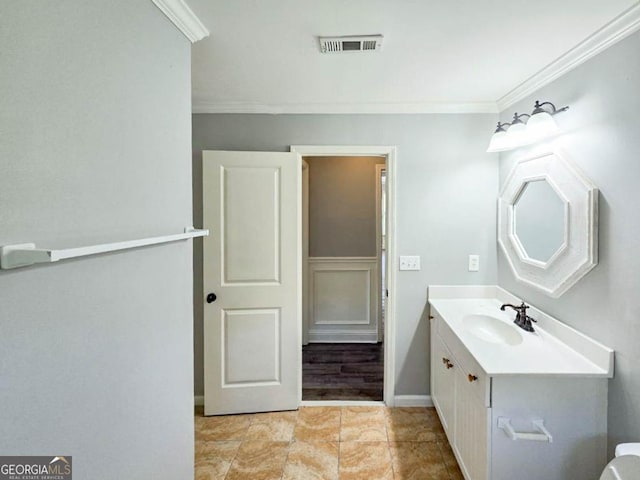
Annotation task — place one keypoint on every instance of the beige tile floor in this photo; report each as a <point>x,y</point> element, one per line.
<point>325,443</point>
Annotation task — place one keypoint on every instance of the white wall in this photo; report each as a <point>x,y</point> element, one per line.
<point>446,200</point>
<point>96,353</point>
<point>602,136</point>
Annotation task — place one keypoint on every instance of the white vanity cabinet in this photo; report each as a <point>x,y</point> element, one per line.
<point>534,410</point>
<point>459,396</point>
<point>442,381</point>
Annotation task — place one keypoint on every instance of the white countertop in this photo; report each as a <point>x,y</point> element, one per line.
<point>540,353</point>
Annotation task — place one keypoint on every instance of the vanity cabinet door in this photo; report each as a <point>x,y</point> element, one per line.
<point>471,429</point>
<point>443,382</point>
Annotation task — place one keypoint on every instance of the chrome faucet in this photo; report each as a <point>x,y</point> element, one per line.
<point>522,319</point>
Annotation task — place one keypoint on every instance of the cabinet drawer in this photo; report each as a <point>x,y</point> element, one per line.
<point>478,380</point>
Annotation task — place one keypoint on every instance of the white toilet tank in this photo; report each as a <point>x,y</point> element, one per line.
<point>626,465</point>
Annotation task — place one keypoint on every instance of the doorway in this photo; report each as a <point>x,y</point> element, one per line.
<point>252,275</point>
<point>347,316</point>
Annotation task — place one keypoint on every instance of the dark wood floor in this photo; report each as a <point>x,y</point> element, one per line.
<point>342,371</point>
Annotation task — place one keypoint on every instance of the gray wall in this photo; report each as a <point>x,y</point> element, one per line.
<point>446,200</point>
<point>342,206</point>
<point>602,136</point>
<point>96,353</point>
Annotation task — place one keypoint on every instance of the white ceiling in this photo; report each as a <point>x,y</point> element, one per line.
<point>263,55</point>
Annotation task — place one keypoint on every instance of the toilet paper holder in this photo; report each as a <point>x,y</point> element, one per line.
<point>542,434</point>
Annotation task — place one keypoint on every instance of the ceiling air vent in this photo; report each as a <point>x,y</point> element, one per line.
<point>361,43</point>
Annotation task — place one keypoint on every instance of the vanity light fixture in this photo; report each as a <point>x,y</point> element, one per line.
<point>498,141</point>
<point>537,126</point>
<point>541,124</point>
<point>517,134</point>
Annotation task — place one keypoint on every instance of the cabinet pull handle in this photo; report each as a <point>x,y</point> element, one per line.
<point>541,434</point>
<point>447,363</point>
<point>472,378</point>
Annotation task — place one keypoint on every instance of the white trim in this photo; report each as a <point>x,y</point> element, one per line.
<point>340,403</point>
<point>620,27</point>
<point>343,150</point>
<point>341,335</point>
<point>305,252</point>
<point>399,401</point>
<point>339,316</point>
<point>204,106</point>
<point>413,401</point>
<point>381,167</point>
<point>299,283</point>
<point>390,152</point>
<point>346,260</point>
<point>183,17</point>
<point>337,321</point>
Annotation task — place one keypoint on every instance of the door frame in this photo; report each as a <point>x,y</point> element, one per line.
<point>379,244</point>
<point>389,152</point>
<point>305,253</point>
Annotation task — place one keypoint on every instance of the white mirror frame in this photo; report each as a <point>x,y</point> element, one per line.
<point>579,252</point>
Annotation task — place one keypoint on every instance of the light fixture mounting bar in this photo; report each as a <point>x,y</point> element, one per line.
<point>537,108</point>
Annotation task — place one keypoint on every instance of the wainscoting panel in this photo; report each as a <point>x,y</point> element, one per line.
<point>343,299</point>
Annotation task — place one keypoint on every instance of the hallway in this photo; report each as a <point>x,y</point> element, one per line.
<point>342,371</point>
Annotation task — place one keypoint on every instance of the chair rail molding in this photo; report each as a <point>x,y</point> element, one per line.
<point>183,17</point>
<point>343,299</point>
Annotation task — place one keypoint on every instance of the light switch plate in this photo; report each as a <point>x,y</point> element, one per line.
<point>409,262</point>
<point>474,263</point>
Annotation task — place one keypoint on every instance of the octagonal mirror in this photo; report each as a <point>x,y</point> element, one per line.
<point>548,223</point>
<point>539,220</point>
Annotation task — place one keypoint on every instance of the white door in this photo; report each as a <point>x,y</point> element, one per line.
<point>252,266</point>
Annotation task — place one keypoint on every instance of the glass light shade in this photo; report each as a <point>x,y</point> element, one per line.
<point>541,125</point>
<point>518,135</point>
<point>498,142</point>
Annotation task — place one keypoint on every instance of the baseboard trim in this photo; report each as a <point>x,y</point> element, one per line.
<point>340,403</point>
<point>343,336</point>
<point>399,401</point>
<point>413,401</point>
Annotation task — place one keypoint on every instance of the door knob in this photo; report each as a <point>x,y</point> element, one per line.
<point>211,298</point>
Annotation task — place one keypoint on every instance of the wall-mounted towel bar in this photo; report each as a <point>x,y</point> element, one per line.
<point>25,254</point>
<point>542,434</point>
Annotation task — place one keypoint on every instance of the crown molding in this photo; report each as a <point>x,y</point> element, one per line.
<point>345,108</point>
<point>620,27</point>
<point>183,17</point>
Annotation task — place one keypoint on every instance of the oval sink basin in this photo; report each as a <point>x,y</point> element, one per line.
<point>492,330</point>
